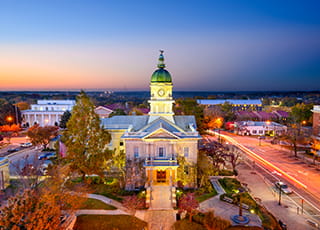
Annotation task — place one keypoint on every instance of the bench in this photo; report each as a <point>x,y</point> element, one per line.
<point>227,199</point>
<point>312,223</point>
<point>245,206</point>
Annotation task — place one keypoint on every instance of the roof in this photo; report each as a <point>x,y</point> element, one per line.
<point>259,123</point>
<point>161,75</point>
<point>138,126</point>
<point>231,101</point>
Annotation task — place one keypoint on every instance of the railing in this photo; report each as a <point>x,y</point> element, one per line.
<point>167,161</point>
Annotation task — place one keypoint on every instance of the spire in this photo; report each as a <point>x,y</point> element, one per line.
<point>161,64</point>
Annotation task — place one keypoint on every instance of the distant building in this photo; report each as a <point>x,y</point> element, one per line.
<point>237,104</point>
<point>46,112</point>
<point>259,128</point>
<point>316,130</point>
<point>103,111</point>
<point>316,120</point>
<point>4,173</point>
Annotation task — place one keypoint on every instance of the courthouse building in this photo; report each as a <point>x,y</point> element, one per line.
<point>158,139</point>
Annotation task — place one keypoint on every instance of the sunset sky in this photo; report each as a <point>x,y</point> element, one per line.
<point>209,45</point>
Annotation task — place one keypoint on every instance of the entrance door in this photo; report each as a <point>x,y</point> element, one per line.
<point>161,176</point>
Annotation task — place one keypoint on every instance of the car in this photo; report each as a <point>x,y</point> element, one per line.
<point>13,150</point>
<point>26,145</point>
<point>44,167</point>
<point>284,188</point>
<point>46,156</point>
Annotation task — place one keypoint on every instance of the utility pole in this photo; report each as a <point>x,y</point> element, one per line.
<point>279,195</point>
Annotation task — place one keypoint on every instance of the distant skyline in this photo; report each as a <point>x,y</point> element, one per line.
<point>114,45</point>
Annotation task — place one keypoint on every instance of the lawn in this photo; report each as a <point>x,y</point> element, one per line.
<point>90,203</point>
<point>101,222</point>
<point>206,196</point>
<point>187,225</point>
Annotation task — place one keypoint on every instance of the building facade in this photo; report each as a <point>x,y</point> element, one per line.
<point>259,128</point>
<point>159,140</point>
<point>46,112</point>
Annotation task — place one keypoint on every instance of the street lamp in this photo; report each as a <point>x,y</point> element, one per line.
<point>9,119</point>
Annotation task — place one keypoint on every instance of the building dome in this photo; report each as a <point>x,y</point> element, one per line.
<point>161,75</point>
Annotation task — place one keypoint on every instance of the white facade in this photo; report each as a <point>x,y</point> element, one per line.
<point>46,112</point>
<point>260,128</point>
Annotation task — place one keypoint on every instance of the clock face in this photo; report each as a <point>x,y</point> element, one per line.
<point>160,92</point>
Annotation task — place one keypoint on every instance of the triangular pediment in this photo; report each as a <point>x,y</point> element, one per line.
<point>161,134</point>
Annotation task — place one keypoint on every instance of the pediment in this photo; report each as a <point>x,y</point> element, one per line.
<point>161,134</point>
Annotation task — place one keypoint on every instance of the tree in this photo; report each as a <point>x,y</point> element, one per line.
<point>233,155</point>
<point>191,107</point>
<point>42,135</point>
<point>42,206</point>
<point>212,222</point>
<point>117,112</point>
<point>189,204</point>
<point>205,170</point>
<point>86,141</point>
<point>9,130</point>
<point>227,111</point>
<point>23,105</point>
<point>8,110</point>
<point>64,119</point>
<point>294,137</point>
<point>301,113</point>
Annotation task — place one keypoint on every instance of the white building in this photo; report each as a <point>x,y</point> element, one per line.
<point>46,112</point>
<point>260,128</point>
<point>157,140</point>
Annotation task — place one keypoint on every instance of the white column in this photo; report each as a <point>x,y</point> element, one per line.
<point>42,119</point>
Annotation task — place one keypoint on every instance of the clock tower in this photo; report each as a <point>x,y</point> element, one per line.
<point>161,93</point>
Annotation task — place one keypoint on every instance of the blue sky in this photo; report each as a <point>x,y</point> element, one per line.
<point>209,45</point>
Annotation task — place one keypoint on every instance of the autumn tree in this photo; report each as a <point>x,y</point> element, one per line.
<point>9,130</point>
<point>64,119</point>
<point>42,135</point>
<point>86,141</point>
<point>189,204</point>
<point>204,169</point>
<point>42,206</point>
<point>23,105</point>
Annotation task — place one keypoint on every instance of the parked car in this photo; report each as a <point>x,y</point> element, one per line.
<point>44,167</point>
<point>26,145</point>
<point>13,150</point>
<point>46,156</point>
<point>284,188</point>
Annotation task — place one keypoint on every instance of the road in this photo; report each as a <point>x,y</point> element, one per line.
<point>19,159</point>
<point>276,163</point>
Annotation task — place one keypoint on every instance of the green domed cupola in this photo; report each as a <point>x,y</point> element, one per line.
<point>161,75</point>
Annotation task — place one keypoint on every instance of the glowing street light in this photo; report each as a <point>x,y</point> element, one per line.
<point>9,119</point>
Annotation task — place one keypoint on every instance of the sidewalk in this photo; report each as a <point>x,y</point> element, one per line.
<point>287,212</point>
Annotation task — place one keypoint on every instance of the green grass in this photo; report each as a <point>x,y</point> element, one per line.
<point>95,204</point>
<point>101,222</point>
<point>229,184</point>
<point>206,196</point>
<point>187,225</point>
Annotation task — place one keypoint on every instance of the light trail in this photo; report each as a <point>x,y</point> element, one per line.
<point>259,159</point>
